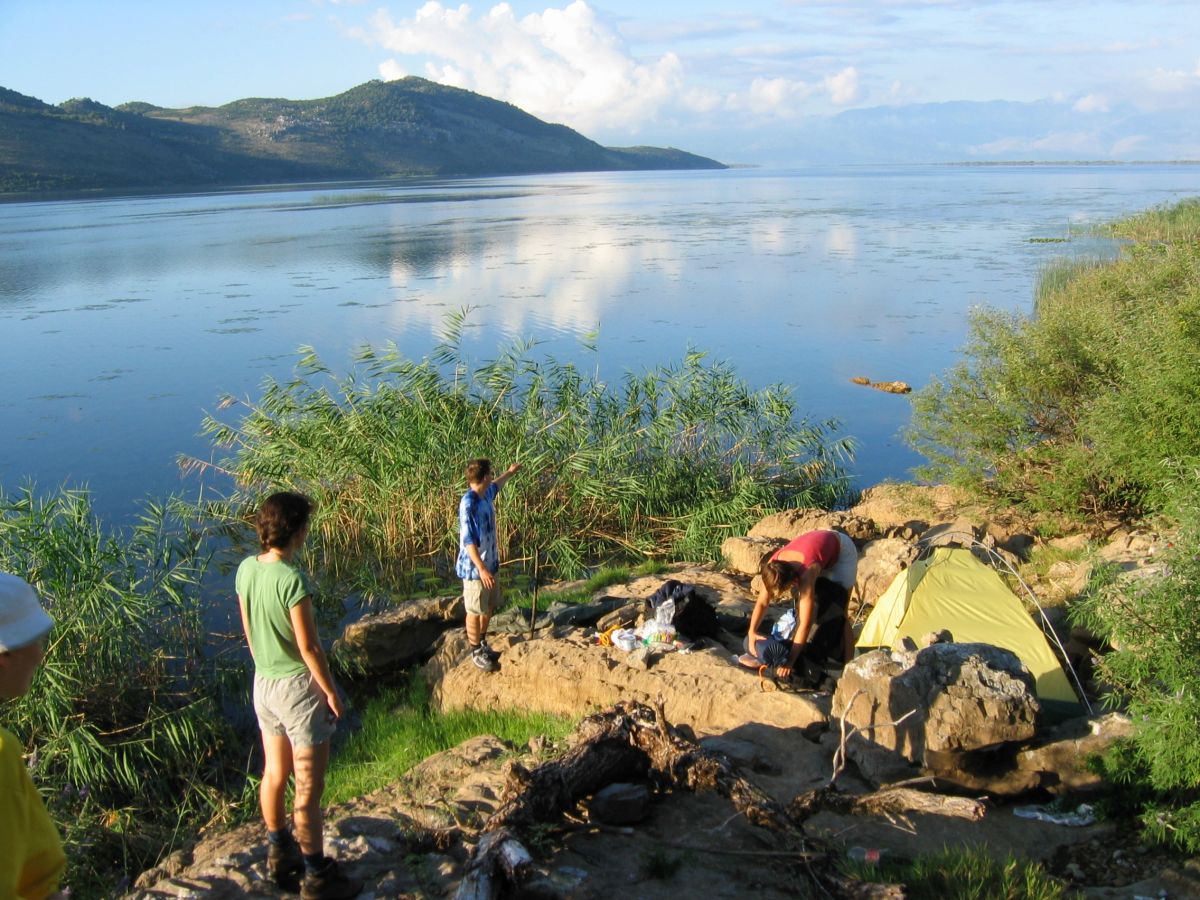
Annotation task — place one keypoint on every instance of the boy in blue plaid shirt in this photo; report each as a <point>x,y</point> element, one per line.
<point>478,563</point>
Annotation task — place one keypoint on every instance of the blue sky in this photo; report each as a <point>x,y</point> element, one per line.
<point>686,73</point>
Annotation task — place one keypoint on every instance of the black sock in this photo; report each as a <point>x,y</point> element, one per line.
<point>282,836</point>
<point>315,862</point>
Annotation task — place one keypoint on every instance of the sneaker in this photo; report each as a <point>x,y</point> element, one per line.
<point>483,659</point>
<point>284,864</point>
<point>331,883</point>
<point>487,648</point>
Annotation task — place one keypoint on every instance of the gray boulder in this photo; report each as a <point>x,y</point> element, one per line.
<point>619,804</point>
<point>398,637</point>
<point>791,522</point>
<point>745,555</point>
<point>959,698</point>
<point>878,564</point>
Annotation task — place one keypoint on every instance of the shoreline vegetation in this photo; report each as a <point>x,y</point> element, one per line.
<point>664,462</point>
<point>1082,414</point>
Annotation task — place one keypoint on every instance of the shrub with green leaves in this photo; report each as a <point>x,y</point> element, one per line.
<point>664,463</point>
<point>124,716</point>
<point>1155,625</point>
<point>1085,407</point>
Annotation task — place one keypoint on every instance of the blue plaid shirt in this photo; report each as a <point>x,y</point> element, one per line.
<point>477,525</point>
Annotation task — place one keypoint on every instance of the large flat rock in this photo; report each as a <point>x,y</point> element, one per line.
<point>569,676</point>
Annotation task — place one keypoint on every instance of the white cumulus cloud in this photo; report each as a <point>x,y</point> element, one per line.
<point>564,65</point>
<point>572,65</point>
<point>784,97</point>
<point>843,87</point>
<point>390,70</point>
<point>1091,103</point>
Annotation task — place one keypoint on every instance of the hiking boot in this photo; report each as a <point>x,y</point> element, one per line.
<point>487,648</point>
<point>284,864</point>
<point>330,883</point>
<point>483,659</point>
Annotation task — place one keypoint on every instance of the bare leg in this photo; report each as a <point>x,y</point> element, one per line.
<point>277,769</point>
<point>310,765</point>
<point>474,629</point>
<point>483,624</point>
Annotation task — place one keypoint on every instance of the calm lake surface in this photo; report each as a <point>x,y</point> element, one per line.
<point>124,319</point>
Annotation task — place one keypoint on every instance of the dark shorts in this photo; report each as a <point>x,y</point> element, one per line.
<point>825,644</point>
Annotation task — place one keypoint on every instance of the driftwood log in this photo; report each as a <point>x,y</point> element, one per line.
<point>632,741</point>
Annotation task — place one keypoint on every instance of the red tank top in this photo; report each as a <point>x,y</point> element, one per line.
<point>819,547</point>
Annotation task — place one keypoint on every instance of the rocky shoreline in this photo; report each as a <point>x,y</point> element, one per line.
<point>985,755</point>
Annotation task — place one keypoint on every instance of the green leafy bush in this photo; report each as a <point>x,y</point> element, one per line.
<point>1155,625</point>
<point>125,712</point>
<point>665,463</point>
<point>1085,407</point>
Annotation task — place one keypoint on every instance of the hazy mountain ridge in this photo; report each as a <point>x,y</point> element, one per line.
<point>979,131</point>
<point>378,129</point>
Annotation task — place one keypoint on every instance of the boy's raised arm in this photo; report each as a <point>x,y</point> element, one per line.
<point>511,470</point>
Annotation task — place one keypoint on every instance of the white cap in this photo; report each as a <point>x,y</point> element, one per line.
<point>22,619</point>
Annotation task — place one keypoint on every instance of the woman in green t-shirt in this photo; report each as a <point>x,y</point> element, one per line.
<point>295,699</point>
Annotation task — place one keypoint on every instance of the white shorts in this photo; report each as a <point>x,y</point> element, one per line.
<point>845,570</point>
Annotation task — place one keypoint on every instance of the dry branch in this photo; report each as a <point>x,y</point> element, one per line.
<point>631,741</point>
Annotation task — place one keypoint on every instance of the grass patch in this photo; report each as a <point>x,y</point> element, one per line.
<point>399,729</point>
<point>1168,223</point>
<point>659,865</point>
<point>966,874</point>
<point>1043,557</point>
<point>650,567</point>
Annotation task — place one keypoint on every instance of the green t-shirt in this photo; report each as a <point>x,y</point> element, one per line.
<point>267,592</point>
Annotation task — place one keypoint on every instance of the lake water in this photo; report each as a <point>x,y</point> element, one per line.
<point>124,319</point>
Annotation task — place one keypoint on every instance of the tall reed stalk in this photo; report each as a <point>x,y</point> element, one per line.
<point>665,462</point>
<point>124,717</point>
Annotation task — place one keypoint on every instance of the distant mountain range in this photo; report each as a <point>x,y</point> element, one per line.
<point>971,131</point>
<point>376,130</point>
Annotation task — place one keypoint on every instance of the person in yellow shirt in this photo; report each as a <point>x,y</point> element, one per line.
<point>31,854</point>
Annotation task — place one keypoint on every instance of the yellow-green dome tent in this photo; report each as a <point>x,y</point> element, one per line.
<point>951,589</point>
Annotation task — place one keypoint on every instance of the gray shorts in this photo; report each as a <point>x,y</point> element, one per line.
<point>294,706</point>
<point>479,600</point>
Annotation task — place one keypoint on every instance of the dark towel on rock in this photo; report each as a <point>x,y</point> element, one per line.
<point>694,616</point>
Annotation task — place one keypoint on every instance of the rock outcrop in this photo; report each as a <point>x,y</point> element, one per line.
<point>933,706</point>
<point>391,640</point>
<point>787,524</point>
<point>745,555</point>
<point>569,675</point>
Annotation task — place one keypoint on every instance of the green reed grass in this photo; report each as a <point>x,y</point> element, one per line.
<point>124,716</point>
<point>964,874</point>
<point>399,729</point>
<point>1058,274</point>
<point>663,463</point>
<point>1170,223</point>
